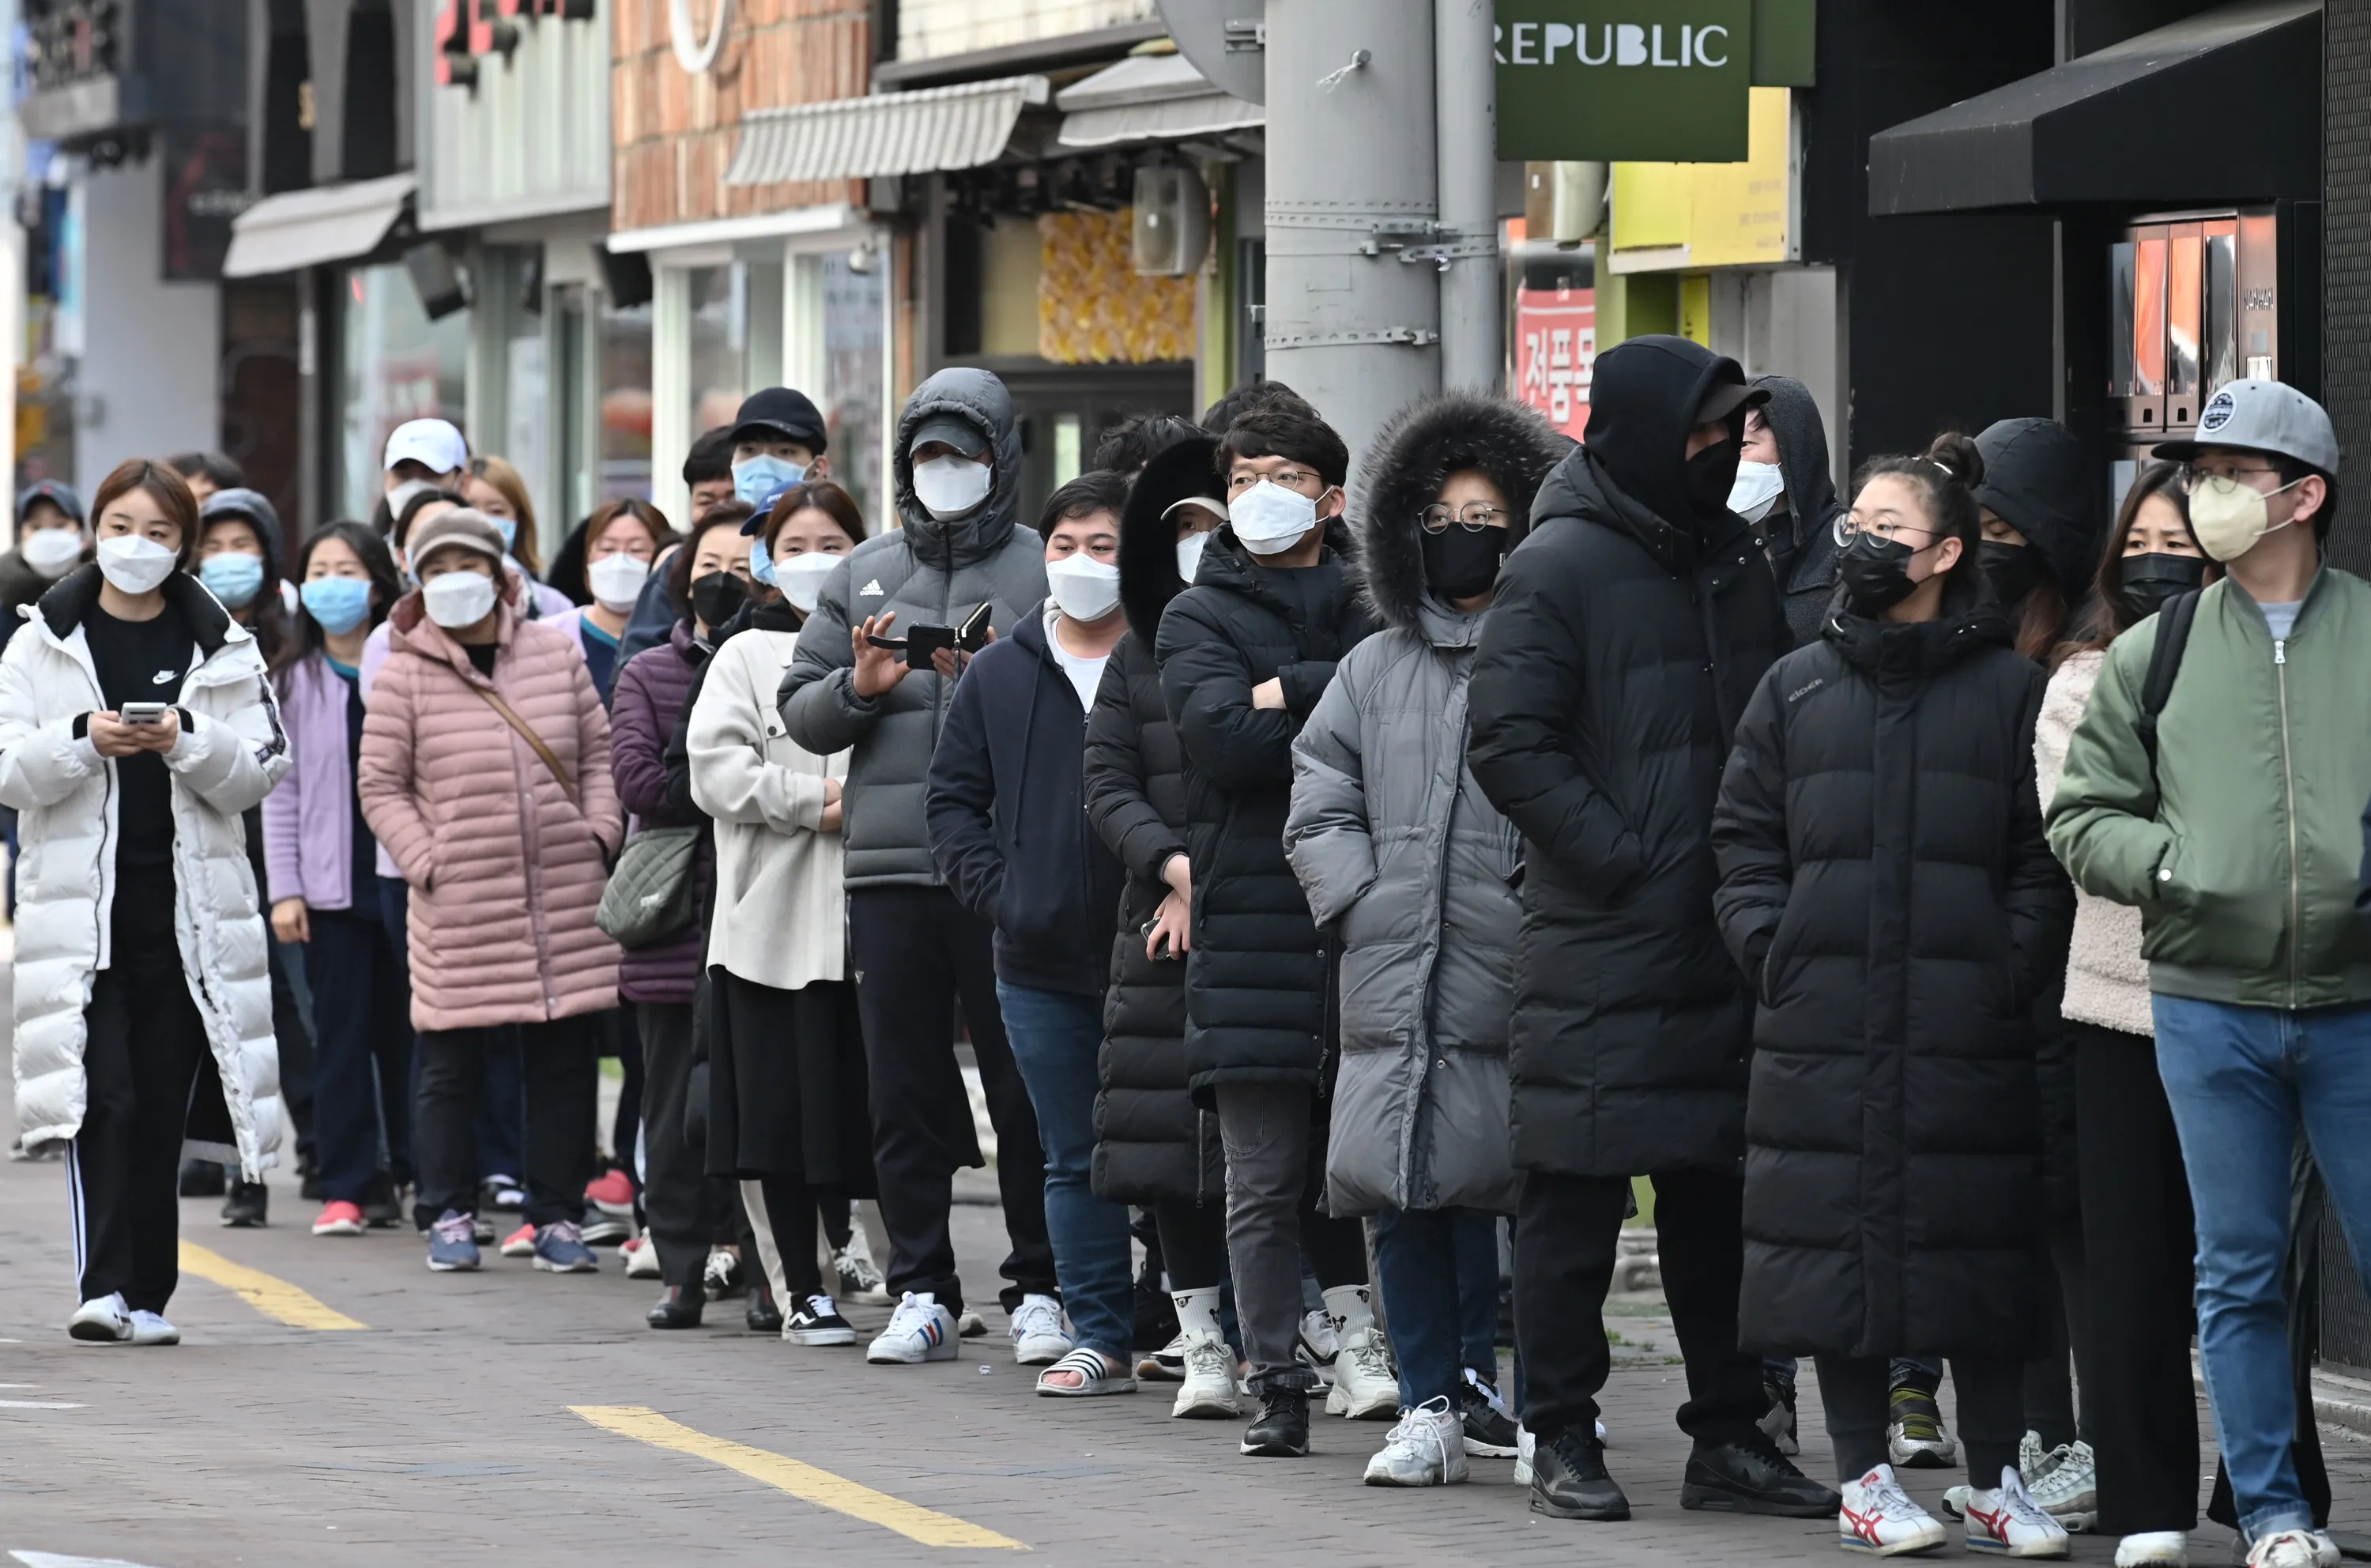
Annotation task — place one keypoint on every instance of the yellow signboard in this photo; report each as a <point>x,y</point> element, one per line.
<point>1676,216</point>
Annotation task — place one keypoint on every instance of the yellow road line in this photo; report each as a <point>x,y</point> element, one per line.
<point>276,1298</point>
<point>801,1481</point>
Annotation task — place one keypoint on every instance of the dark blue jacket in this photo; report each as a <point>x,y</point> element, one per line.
<point>1008,817</point>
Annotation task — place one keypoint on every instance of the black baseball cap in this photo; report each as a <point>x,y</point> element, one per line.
<point>779,413</point>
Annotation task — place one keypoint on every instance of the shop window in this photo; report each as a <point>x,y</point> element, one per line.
<point>625,400</point>
<point>852,395</point>
<point>395,365</point>
<point>368,149</point>
<point>720,344</point>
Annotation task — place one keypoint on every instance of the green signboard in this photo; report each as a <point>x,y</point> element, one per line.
<point>1647,81</point>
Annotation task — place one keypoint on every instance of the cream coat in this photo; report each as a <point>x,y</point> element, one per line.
<point>780,916</point>
<point>2107,981</point>
<point>226,761</point>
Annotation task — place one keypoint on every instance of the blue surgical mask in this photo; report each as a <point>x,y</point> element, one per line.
<point>755,478</point>
<point>761,565</point>
<point>234,579</point>
<point>509,525</point>
<point>340,603</point>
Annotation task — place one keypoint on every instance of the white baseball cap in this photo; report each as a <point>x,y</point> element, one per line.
<point>435,444</point>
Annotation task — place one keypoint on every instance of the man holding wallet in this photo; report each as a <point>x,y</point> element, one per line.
<point>862,683</point>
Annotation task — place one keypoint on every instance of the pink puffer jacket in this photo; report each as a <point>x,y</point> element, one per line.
<point>506,874</point>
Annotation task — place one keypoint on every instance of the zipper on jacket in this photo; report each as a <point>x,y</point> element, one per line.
<point>2288,784</point>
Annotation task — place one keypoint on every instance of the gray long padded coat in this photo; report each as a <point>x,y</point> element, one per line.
<point>1399,851</point>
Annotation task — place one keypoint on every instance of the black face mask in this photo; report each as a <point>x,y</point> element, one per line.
<point>1711,475</point>
<point>1460,562</point>
<point>2145,583</point>
<point>1875,572</point>
<point>2014,568</point>
<point>716,597</point>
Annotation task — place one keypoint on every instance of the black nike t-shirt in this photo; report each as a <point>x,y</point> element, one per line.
<point>142,661</point>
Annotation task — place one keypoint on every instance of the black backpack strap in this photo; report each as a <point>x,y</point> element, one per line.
<point>2173,624</point>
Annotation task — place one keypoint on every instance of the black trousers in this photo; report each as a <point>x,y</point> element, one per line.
<point>143,1047</point>
<point>1193,1242</point>
<point>2139,1243</point>
<point>1855,1392</point>
<point>1565,1230</point>
<point>361,1011</point>
<point>2065,1361</point>
<point>560,1090</point>
<point>920,955</point>
<point>682,1202</point>
<point>617,1033</point>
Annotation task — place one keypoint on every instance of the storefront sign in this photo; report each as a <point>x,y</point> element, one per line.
<point>1556,352</point>
<point>1584,80</point>
<point>1674,217</point>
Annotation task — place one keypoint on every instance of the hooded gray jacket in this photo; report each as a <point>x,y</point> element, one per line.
<point>927,571</point>
<point>1401,853</point>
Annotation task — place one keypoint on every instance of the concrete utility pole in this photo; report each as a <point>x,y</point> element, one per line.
<point>1473,354</point>
<point>1354,309</point>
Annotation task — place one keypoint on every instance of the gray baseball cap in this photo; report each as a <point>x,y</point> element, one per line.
<point>2262,416</point>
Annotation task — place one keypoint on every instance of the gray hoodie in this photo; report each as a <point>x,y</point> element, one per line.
<point>930,572</point>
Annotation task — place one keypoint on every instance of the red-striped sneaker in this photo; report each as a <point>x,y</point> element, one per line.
<point>338,1217</point>
<point>2007,1522</point>
<point>1878,1517</point>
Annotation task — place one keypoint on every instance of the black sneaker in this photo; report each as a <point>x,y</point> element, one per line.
<point>382,1209</point>
<point>678,1308</point>
<point>1282,1430</point>
<point>763,1317</point>
<point>1569,1481</point>
<point>1750,1476</point>
<point>817,1322</point>
<point>1489,1431</point>
<point>1778,1426</point>
<point>203,1178</point>
<point>246,1205</point>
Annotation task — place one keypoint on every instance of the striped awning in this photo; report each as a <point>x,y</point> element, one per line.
<point>925,131</point>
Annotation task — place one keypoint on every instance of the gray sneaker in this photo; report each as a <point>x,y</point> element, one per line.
<point>1427,1448</point>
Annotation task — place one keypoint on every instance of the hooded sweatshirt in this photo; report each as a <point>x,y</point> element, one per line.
<point>1802,541</point>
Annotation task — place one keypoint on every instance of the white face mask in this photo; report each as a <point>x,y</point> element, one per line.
<point>950,486</point>
<point>1270,519</point>
<point>1082,587</point>
<point>1757,489</point>
<point>136,565</point>
<point>801,578</point>
<point>617,581</point>
<point>1189,555</point>
<point>456,599</point>
<point>400,497</point>
<point>51,552</point>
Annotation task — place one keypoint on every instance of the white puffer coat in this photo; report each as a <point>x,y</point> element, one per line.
<point>230,755</point>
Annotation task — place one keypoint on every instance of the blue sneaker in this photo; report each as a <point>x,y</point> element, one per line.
<point>453,1242</point>
<point>559,1249</point>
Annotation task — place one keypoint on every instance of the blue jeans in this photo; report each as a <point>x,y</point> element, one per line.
<point>1056,1038</point>
<point>2240,1081</point>
<point>1439,1271</point>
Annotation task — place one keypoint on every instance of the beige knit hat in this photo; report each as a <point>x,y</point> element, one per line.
<point>462,527</point>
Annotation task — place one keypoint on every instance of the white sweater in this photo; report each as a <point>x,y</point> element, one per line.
<point>2106,980</point>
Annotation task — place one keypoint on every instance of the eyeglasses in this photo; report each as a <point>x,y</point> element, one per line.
<point>2194,477</point>
<point>1883,527</point>
<point>1291,478</point>
<point>1474,517</point>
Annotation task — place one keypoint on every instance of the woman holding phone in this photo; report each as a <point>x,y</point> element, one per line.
<point>136,724</point>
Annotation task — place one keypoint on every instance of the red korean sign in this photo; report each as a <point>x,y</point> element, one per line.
<point>1555,350</point>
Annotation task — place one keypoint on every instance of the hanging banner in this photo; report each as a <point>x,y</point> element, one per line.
<point>1660,81</point>
<point>1556,352</point>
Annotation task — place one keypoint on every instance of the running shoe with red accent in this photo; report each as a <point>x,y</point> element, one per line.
<point>520,1243</point>
<point>338,1217</point>
<point>2007,1522</point>
<point>1878,1517</point>
<point>613,1193</point>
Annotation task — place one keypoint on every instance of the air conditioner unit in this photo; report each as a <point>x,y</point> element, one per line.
<point>1172,221</point>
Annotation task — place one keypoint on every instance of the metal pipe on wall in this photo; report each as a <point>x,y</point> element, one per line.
<point>1473,354</point>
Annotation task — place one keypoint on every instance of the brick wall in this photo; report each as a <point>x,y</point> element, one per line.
<point>672,133</point>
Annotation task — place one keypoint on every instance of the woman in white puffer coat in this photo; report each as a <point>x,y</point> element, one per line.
<point>135,726</point>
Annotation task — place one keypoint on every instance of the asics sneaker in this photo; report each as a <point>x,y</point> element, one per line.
<point>1878,1517</point>
<point>2007,1522</point>
<point>920,1330</point>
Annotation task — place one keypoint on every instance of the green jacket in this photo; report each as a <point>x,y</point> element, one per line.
<point>2242,850</point>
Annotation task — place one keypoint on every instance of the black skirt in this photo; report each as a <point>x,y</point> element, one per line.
<point>786,1085</point>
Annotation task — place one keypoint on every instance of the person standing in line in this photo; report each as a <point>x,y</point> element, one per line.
<point>1784,489</point>
<point>1626,633</point>
<point>1010,832</point>
<point>2138,1240</point>
<point>623,541</point>
<point>777,439</point>
<point>917,952</point>
<point>136,726</point>
<point>485,774</point>
<point>1885,886</point>
<point>494,488</point>
<point>2235,824</point>
<point>51,539</point>
<point>708,474</point>
<point>424,454</point>
<point>1245,654</point>
<point>788,1094</point>
<point>1410,865</point>
<point>325,901</point>
<point>1154,1145</point>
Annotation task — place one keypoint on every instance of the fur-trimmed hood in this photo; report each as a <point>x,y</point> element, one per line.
<point>1148,541</point>
<point>1410,459</point>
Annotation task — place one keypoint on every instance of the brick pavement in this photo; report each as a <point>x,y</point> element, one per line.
<point>442,1433</point>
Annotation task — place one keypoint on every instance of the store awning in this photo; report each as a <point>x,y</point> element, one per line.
<point>918,133</point>
<point>305,228</point>
<point>2224,106</point>
<point>1150,97</point>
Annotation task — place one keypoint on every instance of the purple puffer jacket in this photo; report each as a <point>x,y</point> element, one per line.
<point>309,821</point>
<point>644,711</point>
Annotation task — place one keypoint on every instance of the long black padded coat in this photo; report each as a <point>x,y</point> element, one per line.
<point>1620,651</point>
<point>1153,1143</point>
<point>1259,982</point>
<point>1883,872</point>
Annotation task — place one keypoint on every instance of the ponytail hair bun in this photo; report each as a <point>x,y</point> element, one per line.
<point>1956,454</point>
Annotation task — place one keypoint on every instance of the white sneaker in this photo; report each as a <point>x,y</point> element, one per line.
<point>1366,1388</point>
<point>1427,1448</point>
<point>1319,1344</point>
<point>860,1276</point>
<point>641,1256</point>
<point>150,1328</point>
<point>920,1330</point>
<point>1879,1517</point>
<point>2034,1461</point>
<point>1208,1392</point>
<point>971,1325</point>
<point>2153,1549</point>
<point>105,1320</point>
<point>2069,1490</point>
<point>2005,1521</point>
<point>1040,1336</point>
<point>2293,1549</point>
